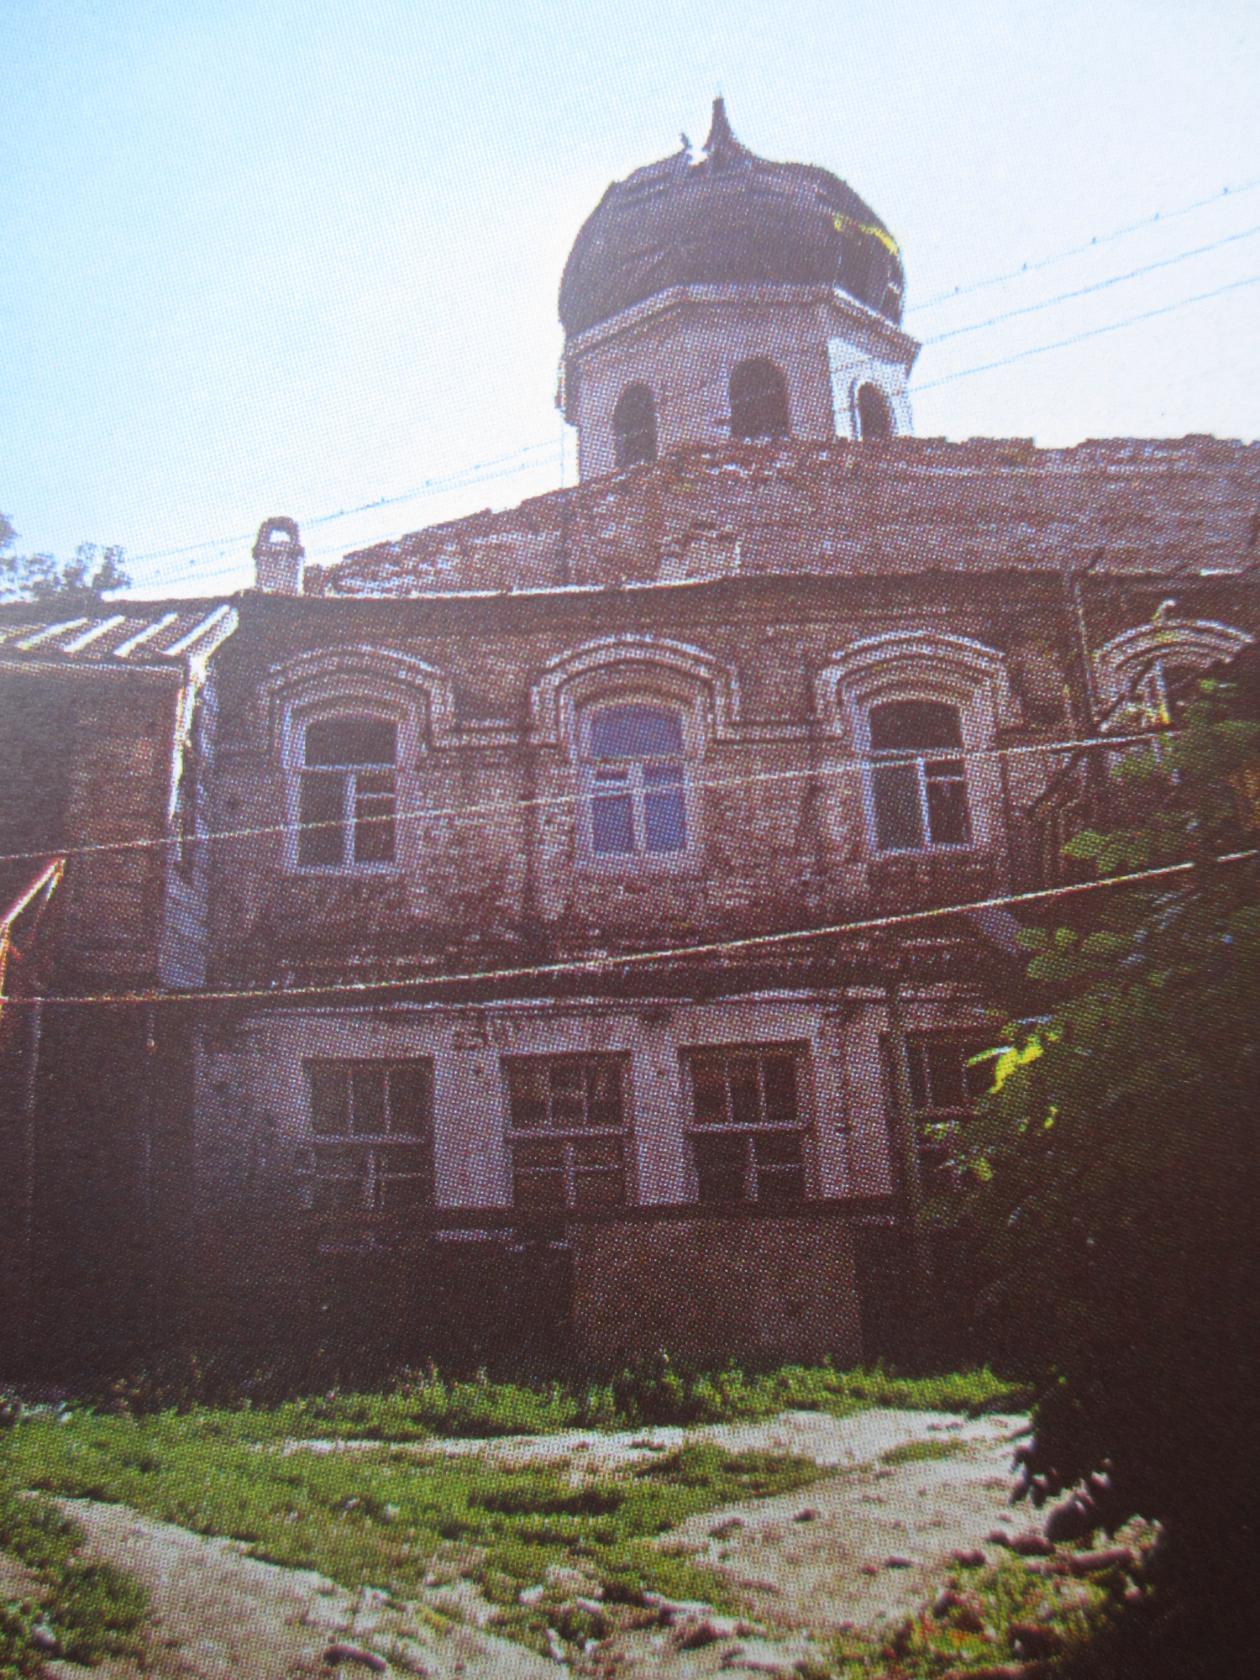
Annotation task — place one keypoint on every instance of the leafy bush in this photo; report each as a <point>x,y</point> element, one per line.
<point>1117,1173</point>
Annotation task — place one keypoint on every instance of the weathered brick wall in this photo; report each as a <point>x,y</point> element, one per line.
<point>907,505</point>
<point>491,866</point>
<point>708,1291</point>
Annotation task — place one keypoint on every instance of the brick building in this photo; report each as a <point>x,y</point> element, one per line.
<point>519,1027</point>
<point>102,713</point>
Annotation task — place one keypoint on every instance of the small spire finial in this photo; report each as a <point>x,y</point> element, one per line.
<point>721,135</point>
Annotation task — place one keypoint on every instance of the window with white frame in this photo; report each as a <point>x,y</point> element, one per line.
<point>945,1083</point>
<point>347,793</point>
<point>567,1130</point>
<point>747,1133</point>
<point>371,1127</point>
<point>636,772</point>
<point>918,779</point>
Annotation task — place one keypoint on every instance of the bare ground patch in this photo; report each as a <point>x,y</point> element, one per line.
<point>218,1614</point>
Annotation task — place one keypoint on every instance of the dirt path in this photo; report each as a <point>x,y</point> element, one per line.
<point>219,1614</point>
<point>831,1442</point>
<point>869,1541</point>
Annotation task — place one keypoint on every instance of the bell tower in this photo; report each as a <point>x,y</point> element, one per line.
<point>717,295</point>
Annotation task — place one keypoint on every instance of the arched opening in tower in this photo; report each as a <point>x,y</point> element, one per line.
<point>634,427</point>
<point>874,417</point>
<point>759,402</point>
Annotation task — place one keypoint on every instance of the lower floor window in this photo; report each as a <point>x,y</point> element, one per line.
<point>944,1086</point>
<point>372,1134</point>
<point>567,1131</point>
<point>749,1166</point>
<point>361,1178</point>
<point>568,1172</point>
<point>747,1135</point>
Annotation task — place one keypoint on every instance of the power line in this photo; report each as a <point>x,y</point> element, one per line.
<point>1090,332</point>
<point>1159,217</point>
<point>682,953</point>
<point>431,813</point>
<point>1096,286</point>
<point>452,481</point>
<point>476,473</point>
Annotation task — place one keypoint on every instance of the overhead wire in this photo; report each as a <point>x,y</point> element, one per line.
<point>476,473</point>
<point>626,959</point>
<point>428,813</point>
<point>1095,286</point>
<point>1157,219</point>
<point>1088,332</point>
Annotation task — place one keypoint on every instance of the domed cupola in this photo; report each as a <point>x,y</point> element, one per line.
<point>716,294</point>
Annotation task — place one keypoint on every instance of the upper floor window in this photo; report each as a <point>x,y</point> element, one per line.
<point>918,780</point>
<point>372,1126</point>
<point>638,797</point>
<point>874,417</point>
<point>567,1130</point>
<point>759,400</point>
<point>347,800</point>
<point>634,427</point>
<point>747,1130</point>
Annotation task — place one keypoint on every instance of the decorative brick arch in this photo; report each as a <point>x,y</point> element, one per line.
<point>1197,642</point>
<point>416,694</point>
<point>916,665</point>
<point>642,665</point>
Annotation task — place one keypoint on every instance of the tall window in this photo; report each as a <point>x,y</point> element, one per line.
<point>634,427</point>
<point>943,1088</point>
<point>638,803</point>
<point>873,414</point>
<point>747,1135</point>
<point>918,780</point>
<point>759,402</point>
<point>567,1131</point>
<point>372,1128</point>
<point>347,803</point>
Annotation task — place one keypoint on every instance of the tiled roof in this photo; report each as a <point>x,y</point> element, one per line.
<point>119,633</point>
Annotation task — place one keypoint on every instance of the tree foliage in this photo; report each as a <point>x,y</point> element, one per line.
<point>93,572</point>
<point>1112,1220</point>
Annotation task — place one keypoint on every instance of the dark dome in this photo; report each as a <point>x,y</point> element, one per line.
<point>727,217</point>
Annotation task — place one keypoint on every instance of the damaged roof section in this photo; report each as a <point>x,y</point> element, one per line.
<point>114,634</point>
<point>1135,505</point>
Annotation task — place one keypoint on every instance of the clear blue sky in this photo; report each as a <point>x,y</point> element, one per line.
<point>288,256</point>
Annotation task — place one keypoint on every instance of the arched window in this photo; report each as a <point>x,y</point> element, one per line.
<point>874,417</point>
<point>634,427</point>
<point>347,796</point>
<point>917,779</point>
<point>759,403</point>
<point>637,781</point>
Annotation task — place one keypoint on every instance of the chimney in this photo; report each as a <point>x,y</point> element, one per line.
<point>279,558</point>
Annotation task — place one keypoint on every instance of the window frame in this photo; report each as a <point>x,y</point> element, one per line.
<point>566,1138</point>
<point>919,761</point>
<point>750,1132</point>
<point>352,705</point>
<point>936,1125</point>
<point>349,775</point>
<point>377,1169</point>
<point>640,857</point>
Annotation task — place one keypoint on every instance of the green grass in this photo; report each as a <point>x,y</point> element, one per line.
<point>93,1610</point>
<point>430,1404</point>
<point>394,1519</point>
<point>389,1518</point>
<point>918,1452</point>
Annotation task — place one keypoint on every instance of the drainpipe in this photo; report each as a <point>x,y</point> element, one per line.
<point>30,1099</point>
<point>906,1142</point>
